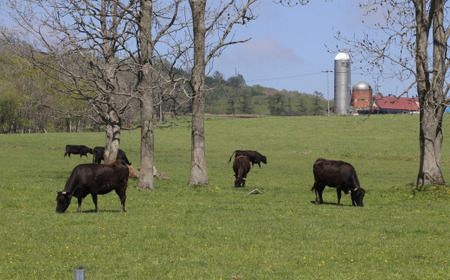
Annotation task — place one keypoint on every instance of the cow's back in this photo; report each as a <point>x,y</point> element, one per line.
<point>241,163</point>
<point>96,178</point>
<point>335,173</point>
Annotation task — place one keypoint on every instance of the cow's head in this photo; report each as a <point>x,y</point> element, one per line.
<point>62,201</point>
<point>264,159</point>
<point>357,196</point>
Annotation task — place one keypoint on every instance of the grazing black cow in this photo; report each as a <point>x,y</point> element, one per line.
<point>77,149</point>
<point>94,179</point>
<point>337,174</point>
<point>241,167</point>
<point>253,156</point>
<point>99,155</point>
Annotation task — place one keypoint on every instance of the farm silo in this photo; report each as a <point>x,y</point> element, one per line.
<point>342,84</point>
<point>361,97</point>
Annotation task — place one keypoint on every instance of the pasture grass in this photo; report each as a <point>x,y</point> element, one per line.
<point>218,232</point>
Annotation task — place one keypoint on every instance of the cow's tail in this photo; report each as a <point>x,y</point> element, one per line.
<point>231,156</point>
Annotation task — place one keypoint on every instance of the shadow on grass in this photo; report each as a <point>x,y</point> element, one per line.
<point>100,211</point>
<point>331,203</point>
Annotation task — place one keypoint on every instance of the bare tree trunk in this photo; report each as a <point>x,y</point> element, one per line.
<point>112,142</point>
<point>147,143</point>
<point>198,174</point>
<point>431,92</point>
<point>112,137</point>
<point>146,99</point>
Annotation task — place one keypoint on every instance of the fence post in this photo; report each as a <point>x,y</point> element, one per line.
<point>79,274</point>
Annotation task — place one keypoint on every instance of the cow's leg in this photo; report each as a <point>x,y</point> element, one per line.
<point>123,196</point>
<point>94,199</point>
<point>243,181</point>
<point>318,190</point>
<point>79,204</point>
<point>338,190</point>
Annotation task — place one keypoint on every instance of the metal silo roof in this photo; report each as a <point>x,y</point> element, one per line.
<point>342,56</point>
<point>361,86</point>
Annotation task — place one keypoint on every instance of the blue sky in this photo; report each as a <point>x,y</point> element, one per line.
<point>288,49</point>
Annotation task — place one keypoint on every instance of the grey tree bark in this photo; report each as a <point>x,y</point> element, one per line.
<point>198,174</point>
<point>148,81</point>
<point>429,17</point>
<point>146,97</point>
<point>221,21</point>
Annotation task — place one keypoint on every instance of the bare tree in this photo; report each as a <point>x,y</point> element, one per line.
<point>85,43</point>
<point>149,79</point>
<point>430,17</point>
<point>414,48</point>
<point>226,15</point>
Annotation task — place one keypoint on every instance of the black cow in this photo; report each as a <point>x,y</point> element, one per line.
<point>99,155</point>
<point>241,167</point>
<point>94,179</point>
<point>77,149</point>
<point>337,174</point>
<point>253,156</point>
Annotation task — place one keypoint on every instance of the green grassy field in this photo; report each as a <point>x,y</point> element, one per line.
<point>218,232</point>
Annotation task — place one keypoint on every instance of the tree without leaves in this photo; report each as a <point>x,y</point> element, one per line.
<point>107,59</point>
<point>148,82</point>
<point>226,15</point>
<point>414,48</point>
<point>86,44</point>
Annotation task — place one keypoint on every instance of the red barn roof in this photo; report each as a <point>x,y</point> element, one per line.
<point>396,103</point>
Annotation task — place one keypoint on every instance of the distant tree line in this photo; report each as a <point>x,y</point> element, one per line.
<point>233,96</point>
<point>30,101</point>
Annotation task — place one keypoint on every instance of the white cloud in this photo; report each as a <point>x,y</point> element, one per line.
<point>259,58</point>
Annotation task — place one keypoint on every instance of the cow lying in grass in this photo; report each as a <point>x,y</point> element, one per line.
<point>94,179</point>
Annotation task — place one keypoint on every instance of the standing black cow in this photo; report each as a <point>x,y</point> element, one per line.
<point>94,179</point>
<point>241,167</point>
<point>253,156</point>
<point>337,174</point>
<point>77,149</point>
<point>99,155</point>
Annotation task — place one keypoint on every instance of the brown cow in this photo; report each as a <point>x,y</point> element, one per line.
<point>241,167</point>
<point>94,179</point>
<point>337,174</point>
<point>253,156</point>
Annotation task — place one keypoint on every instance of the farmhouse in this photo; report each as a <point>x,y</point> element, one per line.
<point>395,105</point>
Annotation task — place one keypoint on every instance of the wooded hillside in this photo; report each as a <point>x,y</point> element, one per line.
<point>30,100</point>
